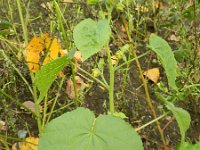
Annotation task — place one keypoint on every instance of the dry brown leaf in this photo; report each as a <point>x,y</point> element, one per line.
<point>152,74</point>
<point>30,105</point>
<point>37,49</point>
<point>3,126</point>
<point>77,57</point>
<point>67,1</point>
<point>80,85</point>
<point>16,146</point>
<point>30,143</point>
<point>173,37</point>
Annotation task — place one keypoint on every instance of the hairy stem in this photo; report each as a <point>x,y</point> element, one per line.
<point>111,85</point>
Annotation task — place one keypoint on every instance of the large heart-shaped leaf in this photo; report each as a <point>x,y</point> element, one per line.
<point>90,36</point>
<point>164,51</point>
<point>80,130</point>
<point>47,74</point>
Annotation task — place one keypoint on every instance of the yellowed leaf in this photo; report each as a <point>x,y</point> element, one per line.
<point>33,52</point>
<point>30,143</point>
<point>39,47</point>
<point>152,74</point>
<point>53,47</point>
<point>114,59</point>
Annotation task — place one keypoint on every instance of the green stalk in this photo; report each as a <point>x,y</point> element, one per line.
<point>152,121</point>
<point>74,83</point>
<point>111,85</point>
<point>54,102</point>
<point>37,105</point>
<point>17,70</point>
<point>148,99</point>
<point>4,143</point>
<point>60,16</point>
<point>131,60</point>
<point>96,79</point>
<point>25,35</point>
<point>44,112</point>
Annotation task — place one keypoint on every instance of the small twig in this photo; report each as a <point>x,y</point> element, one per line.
<point>167,124</point>
<point>152,121</point>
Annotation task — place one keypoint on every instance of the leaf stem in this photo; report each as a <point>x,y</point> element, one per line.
<point>111,85</point>
<point>37,105</point>
<point>54,102</point>
<point>152,121</point>
<point>148,99</point>
<point>22,22</point>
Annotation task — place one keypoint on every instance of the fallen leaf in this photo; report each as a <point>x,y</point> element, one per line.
<point>3,125</point>
<point>173,37</point>
<point>30,143</point>
<point>30,105</point>
<point>152,74</point>
<point>142,8</point>
<point>80,85</point>
<point>77,57</point>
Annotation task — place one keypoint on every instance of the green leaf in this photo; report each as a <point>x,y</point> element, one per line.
<point>5,32</point>
<point>182,116</point>
<point>188,146</point>
<point>119,114</point>
<point>5,24</point>
<point>80,130</point>
<point>47,74</point>
<point>164,51</point>
<point>90,36</point>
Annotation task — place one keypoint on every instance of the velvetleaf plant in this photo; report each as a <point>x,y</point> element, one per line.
<point>83,130</point>
<point>80,129</point>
